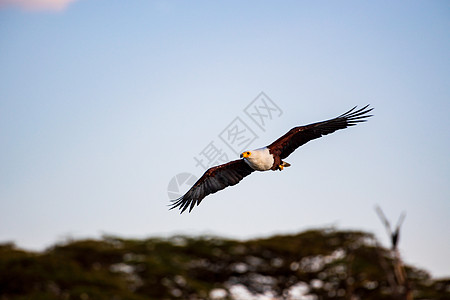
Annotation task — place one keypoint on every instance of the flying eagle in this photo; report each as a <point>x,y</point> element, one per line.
<point>263,159</point>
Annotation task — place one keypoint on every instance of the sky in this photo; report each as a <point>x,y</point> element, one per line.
<point>104,103</point>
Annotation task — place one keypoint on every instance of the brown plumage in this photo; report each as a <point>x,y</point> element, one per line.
<point>214,179</point>
<point>300,135</point>
<point>267,158</point>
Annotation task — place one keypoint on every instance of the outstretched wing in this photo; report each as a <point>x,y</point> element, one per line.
<point>214,179</point>
<point>298,136</point>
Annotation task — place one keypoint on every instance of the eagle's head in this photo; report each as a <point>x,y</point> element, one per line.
<point>245,154</point>
<point>259,159</point>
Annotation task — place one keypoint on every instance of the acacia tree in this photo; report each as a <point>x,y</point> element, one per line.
<point>324,264</point>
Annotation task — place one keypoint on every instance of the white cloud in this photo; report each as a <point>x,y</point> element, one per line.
<point>37,5</point>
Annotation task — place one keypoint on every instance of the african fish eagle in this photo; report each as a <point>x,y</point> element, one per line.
<point>267,158</point>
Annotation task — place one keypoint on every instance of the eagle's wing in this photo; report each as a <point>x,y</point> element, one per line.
<point>214,179</point>
<point>298,136</point>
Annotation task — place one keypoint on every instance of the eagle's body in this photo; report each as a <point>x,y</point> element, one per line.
<point>266,158</point>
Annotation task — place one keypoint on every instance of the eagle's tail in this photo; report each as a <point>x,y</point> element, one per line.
<point>285,164</point>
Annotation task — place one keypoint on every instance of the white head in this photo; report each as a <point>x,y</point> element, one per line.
<point>259,159</point>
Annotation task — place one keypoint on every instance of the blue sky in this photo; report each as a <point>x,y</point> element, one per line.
<point>102,103</point>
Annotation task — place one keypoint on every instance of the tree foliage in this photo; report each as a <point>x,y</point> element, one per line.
<point>316,264</point>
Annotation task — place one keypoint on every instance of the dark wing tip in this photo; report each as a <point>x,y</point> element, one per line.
<point>354,115</point>
<point>182,203</point>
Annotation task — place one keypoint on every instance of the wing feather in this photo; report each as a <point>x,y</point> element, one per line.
<point>298,136</point>
<point>214,179</point>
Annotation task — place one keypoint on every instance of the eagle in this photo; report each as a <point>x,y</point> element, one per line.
<point>264,159</point>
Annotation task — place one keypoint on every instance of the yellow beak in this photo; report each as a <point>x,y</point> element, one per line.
<point>245,154</point>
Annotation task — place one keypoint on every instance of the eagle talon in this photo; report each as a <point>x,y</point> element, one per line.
<point>281,167</point>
